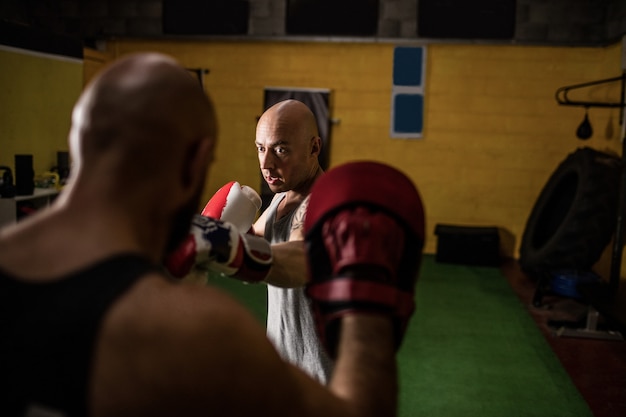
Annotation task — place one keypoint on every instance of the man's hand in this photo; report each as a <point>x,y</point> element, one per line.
<point>214,245</point>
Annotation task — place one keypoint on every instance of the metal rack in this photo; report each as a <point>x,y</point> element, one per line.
<point>618,242</point>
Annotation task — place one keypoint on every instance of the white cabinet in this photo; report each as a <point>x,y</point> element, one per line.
<point>12,209</point>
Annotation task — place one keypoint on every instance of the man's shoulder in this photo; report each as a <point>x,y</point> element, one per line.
<point>176,336</point>
<point>170,302</point>
<point>161,327</point>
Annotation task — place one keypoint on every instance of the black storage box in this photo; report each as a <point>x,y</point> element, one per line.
<point>479,246</point>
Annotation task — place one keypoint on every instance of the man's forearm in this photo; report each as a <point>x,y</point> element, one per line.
<point>366,374</point>
<point>289,266</point>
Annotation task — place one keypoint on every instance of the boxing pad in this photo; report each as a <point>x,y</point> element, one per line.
<point>364,235</point>
<point>234,203</point>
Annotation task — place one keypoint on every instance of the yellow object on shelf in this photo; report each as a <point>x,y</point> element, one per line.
<point>48,180</point>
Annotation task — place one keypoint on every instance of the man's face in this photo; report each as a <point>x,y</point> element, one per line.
<point>182,218</point>
<point>285,156</point>
<point>182,221</point>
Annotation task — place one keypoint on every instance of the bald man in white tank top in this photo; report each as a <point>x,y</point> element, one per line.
<point>288,146</point>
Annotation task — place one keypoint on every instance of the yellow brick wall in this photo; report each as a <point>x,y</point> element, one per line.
<point>37,95</point>
<point>493,132</point>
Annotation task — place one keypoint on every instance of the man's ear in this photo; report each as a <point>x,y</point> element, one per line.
<point>197,160</point>
<point>316,145</point>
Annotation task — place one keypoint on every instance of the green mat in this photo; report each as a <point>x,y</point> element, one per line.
<point>471,349</point>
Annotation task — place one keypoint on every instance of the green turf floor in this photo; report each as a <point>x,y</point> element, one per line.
<point>471,349</point>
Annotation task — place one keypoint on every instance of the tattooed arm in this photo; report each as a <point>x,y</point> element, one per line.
<point>297,225</point>
<point>289,268</point>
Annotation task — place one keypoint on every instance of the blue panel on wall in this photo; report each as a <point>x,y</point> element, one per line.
<point>407,92</point>
<point>407,66</point>
<point>408,114</point>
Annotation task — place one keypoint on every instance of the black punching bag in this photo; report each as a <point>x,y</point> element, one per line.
<point>585,130</point>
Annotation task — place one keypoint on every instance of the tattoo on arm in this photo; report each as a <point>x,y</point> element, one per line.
<point>298,218</point>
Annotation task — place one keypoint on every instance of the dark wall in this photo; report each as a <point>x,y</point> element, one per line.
<point>575,22</point>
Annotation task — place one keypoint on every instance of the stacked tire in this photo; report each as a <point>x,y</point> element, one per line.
<point>575,214</point>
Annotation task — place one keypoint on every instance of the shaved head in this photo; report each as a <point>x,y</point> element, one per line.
<point>142,135</point>
<point>288,146</point>
<point>140,107</point>
<point>291,117</point>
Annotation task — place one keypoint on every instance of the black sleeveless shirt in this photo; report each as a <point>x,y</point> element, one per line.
<point>48,333</point>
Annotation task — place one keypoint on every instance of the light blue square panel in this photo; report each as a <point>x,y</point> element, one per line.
<point>408,66</point>
<point>408,114</point>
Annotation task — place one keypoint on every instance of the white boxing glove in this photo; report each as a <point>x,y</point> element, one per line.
<point>234,203</point>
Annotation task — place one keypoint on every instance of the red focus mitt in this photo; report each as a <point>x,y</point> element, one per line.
<point>364,233</point>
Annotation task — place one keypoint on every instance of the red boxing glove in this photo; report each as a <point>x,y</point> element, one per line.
<point>364,233</point>
<point>213,245</point>
<point>234,203</point>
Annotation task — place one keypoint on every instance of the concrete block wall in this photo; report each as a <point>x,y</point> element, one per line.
<point>616,19</point>
<point>576,22</point>
<point>561,21</point>
<point>267,17</point>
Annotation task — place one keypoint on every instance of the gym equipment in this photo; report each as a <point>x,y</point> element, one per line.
<point>468,245</point>
<point>585,131</point>
<point>597,295</point>
<point>234,203</point>
<point>24,175</point>
<point>7,189</point>
<point>574,216</point>
<point>214,245</point>
<point>364,234</point>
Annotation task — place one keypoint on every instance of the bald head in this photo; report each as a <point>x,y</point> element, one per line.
<point>143,108</point>
<point>288,146</point>
<point>142,140</point>
<point>291,118</point>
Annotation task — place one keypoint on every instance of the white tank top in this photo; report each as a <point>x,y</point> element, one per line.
<point>290,325</point>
